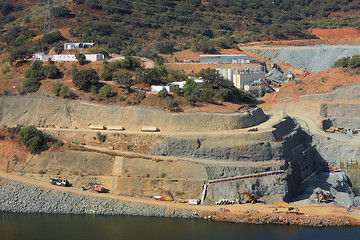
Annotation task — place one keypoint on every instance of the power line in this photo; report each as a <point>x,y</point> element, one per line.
<point>49,23</point>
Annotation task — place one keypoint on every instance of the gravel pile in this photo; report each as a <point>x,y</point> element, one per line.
<point>313,58</point>
<point>17,197</point>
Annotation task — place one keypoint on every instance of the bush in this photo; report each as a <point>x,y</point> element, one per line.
<point>122,98</point>
<point>163,93</point>
<point>30,85</point>
<point>177,90</point>
<point>170,103</point>
<point>63,92</point>
<point>354,61</point>
<point>106,92</point>
<point>101,137</point>
<point>51,71</point>
<point>84,79</point>
<point>81,58</point>
<point>33,139</point>
<point>56,88</point>
<point>52,37</point>
<point>141,96</point>
<point>35,71</point>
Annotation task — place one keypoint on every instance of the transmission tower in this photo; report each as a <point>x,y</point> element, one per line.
<point>49,23</point>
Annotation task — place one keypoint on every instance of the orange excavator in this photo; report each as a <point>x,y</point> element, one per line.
<point>322,198</point>
<point>251,198</point>
<point>94,187</point>
<point>335,130</point>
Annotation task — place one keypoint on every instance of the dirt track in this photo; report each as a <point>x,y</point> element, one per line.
<point>307,210</point>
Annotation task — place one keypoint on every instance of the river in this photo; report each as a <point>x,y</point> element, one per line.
<point>16,226</point>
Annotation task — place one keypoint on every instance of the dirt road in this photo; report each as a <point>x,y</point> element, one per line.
<point>307,210</point>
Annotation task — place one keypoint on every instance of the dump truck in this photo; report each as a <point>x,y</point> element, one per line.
<point>59,182</point>
<point>290,209</point>
<point>251,198</point>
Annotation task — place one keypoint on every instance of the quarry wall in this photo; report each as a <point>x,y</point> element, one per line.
<point>39,110</point>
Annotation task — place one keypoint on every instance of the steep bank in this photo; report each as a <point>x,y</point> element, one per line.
<point>42,111</point>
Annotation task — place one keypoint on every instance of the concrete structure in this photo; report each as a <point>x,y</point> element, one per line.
<point>68,57</point>
<point>170,86</point>
<point>247,75</point>
<point>227,73</point>
<point>226,58</point>
<point>68,46</point>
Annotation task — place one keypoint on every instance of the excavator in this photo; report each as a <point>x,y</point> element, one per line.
<point>322,198</point>
<point>335,130</point>
<point>94,187</point>
<point>251,198</point>
<point>290,209</point>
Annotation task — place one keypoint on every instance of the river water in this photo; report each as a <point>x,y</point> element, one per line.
<point>15,226</point>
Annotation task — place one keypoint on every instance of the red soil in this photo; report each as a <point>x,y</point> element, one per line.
<point>335,33</point>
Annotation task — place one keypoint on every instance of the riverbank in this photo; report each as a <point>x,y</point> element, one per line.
<point>41,197</point>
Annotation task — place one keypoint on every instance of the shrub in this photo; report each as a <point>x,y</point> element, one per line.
<point>141,96</point>
<point>84,79</point>
<point>101,137</point>
<point>122,98</point>
<point>163,93</point>
<point>30,85</point>
<point>33,139</point>
<point>51,71</point>
<point>106,92</point>
<point>63,92</point>
<point>177,90</point>
<point>354,61</point>
<point>81,58</point>
<point>170,103</point>
<point>56,88</point>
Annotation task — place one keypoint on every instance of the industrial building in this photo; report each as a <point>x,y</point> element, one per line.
<point>226,58</point>
<point>244,75</point>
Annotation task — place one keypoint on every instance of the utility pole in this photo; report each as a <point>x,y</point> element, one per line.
<point>49,23</point>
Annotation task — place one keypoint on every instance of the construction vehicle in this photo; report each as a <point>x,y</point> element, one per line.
<point>290,209</point>
<point>335,130</point>
<point>322,197</point>
<point>333,169</point>
<point>94,187</point>
<point>251,198</point>
<point>59,182</point>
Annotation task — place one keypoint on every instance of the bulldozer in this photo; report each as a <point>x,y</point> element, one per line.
<point>251,198</point>
<point>322,198</point>
<point>290,209</point>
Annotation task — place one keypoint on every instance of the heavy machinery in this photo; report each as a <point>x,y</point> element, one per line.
<point>290,209</point>
<point>322,198</point>
<point>335,130</point>
<point>59,182</point>
<point>94,187</point>
<point>251,198</point>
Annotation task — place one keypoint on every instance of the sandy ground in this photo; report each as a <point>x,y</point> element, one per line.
<point>307,210</point>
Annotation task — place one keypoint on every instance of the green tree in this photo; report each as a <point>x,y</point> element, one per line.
<point>58,48</point>
<point>106,92</point>
<point>354,61</point>
<point>81,58</point>
<point>84,79</point>
<point>125,80</point>
<point>33,139</point>
<point>51,71</point>
<point>19,53</point>
<point>342,62</point>
<point>170,103</point>
<point>128,52</point>
<point>64,90</point>
<point>191,91</point>
<point>177,90</point>
<point>52,37</point>
<point>35,70</point>
<point>30,85</point>
<point>163,93</point>
<point>56,88</point>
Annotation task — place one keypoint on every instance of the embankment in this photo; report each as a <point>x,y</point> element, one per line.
<point>41,111</point>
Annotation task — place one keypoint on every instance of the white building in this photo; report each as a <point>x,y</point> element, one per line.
<point>68,57</point>
<point>158,88</point>
<point>68,46</point>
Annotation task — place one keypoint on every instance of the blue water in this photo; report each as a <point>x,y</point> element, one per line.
<point>52,227</point>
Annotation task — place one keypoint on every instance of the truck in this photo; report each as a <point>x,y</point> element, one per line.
<point>335,130</point>
<point>59,182</point>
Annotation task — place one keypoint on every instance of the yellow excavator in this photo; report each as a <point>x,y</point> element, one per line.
<point>251,198</point>
<point>322,198</point>
<point>290,209</point>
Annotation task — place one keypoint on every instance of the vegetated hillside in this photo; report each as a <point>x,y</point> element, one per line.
<point>163,26</point>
